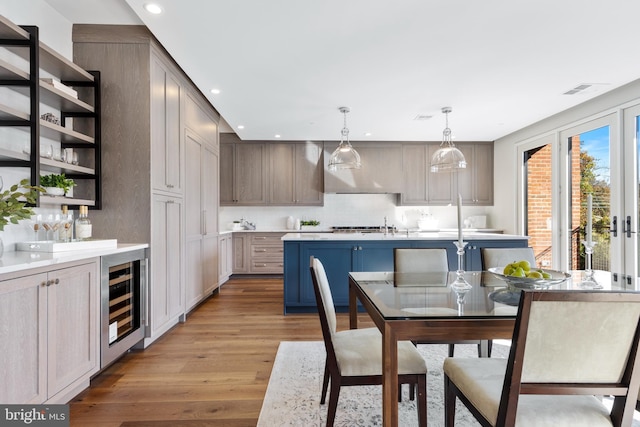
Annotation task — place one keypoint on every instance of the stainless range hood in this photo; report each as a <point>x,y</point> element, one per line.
<point>381,171</point>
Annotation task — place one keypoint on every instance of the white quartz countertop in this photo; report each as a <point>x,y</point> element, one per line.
<point>441,235</point>
<point>22,260</point>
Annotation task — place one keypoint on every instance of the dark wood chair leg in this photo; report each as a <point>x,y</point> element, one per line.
<point>325,384</point>
<point>334,394</point>
<point>449,403</point>
<point>422,400</point>
<point>489,345</point>
<point>451,349</point>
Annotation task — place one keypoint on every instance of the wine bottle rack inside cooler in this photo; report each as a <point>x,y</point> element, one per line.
<point>124,289</point>
<point>122,307</point>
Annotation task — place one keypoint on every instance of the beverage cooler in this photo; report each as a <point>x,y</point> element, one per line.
<point>123,292</point>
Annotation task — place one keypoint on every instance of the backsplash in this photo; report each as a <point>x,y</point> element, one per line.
<point>348,209</point>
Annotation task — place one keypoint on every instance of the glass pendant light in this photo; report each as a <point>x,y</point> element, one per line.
<point>344,157</point>
<point>447,158</point>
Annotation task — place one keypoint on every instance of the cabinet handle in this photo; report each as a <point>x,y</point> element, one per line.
<point>260,250</point>
<point>45,284</point>
<point>56,281</point>
<point>169,185</point>
<point>260,238</point>
<point>170,201</point>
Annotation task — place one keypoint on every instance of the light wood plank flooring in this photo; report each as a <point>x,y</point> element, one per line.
<point>212,370</point>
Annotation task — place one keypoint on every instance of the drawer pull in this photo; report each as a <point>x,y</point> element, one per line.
<point>260,250</point>
<point>259,238</point>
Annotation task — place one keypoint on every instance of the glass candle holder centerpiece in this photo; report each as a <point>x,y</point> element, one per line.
<point>460,284</point>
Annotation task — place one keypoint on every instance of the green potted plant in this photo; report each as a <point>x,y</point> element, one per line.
<point>56,185</point>
<point>13,204</point>
<point>14,201</point>
<point>311,224</point>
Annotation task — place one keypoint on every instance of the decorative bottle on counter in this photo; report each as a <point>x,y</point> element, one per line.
<point>83,224</point>
<point>66,230</point>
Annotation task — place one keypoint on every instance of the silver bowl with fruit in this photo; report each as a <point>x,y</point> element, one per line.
<point>534,278</point>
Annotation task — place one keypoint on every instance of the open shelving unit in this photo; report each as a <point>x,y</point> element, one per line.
<point>84,134</point>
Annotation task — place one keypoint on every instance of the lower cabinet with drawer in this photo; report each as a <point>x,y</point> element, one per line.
<point>258,253</point>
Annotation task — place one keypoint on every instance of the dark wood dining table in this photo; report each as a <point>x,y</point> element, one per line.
<point>424,307</point>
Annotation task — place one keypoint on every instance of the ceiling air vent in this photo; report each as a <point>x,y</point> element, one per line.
<point>422,117</point>
<point>577,89</point>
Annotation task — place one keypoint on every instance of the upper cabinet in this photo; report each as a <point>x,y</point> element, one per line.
<point>270,173</point>
<point>380,171</point>
<point>476,181</point>
<point>165,127</point>
<point>63,112</point>
<point>421,187</point>
<point>243,172</point>
<point>295,173</point>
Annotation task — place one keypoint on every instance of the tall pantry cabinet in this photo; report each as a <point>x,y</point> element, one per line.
<point>152,114</point>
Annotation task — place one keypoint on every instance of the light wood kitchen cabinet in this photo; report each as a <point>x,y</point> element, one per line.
<point>166,152</point>
<point>225,254</point>
<point>50,334</point>
<point>476,181</point>
<point>258,253</point>
<point>201,221</point>
<point>380,171</point>
<point>421,187</point>
<point>295,174</point>
<point>166,292</point>
<point>243,172</point>
<point>442,186</point>
<point>73,326</point>
<point>147,108</point>
<point>23,360</point>
<point>240,256</point>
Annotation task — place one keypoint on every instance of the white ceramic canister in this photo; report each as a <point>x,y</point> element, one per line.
<point>291,223</point>
<point>297,224</point>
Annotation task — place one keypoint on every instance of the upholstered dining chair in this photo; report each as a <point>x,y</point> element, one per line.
<point>421,260</point>
<point>499,257</point>
<point>568,347</point>
<point>354,356</point>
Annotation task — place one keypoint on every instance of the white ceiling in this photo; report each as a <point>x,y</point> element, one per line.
<point>285,66</point>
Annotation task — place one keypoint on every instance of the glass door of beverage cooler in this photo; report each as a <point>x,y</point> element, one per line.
<point>123,295</point>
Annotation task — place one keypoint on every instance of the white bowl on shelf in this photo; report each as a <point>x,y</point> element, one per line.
<point>54,191</point>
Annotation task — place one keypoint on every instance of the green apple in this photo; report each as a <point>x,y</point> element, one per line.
<point>525,265</point>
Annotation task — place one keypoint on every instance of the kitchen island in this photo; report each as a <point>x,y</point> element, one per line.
<point>342,253</point>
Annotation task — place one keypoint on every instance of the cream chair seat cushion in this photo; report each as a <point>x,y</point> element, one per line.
<point>359,352</point>
<point>481,381</point>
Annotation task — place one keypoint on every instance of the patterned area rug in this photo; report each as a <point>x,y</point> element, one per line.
<point>293,394</point>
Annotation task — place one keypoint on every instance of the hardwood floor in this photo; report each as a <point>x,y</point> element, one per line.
<point>212,370</point>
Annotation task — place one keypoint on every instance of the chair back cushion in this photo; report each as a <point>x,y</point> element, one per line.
<point>579,341</point>
<point>325,293</point>
<point>407,260</point>
<point>499,257</point>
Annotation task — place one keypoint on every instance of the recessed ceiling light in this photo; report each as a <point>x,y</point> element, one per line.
<point>367,134</point>
<point>215,91</point>
<point>277,135</point>
<point>153,8</point>
<point>240,126</point>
